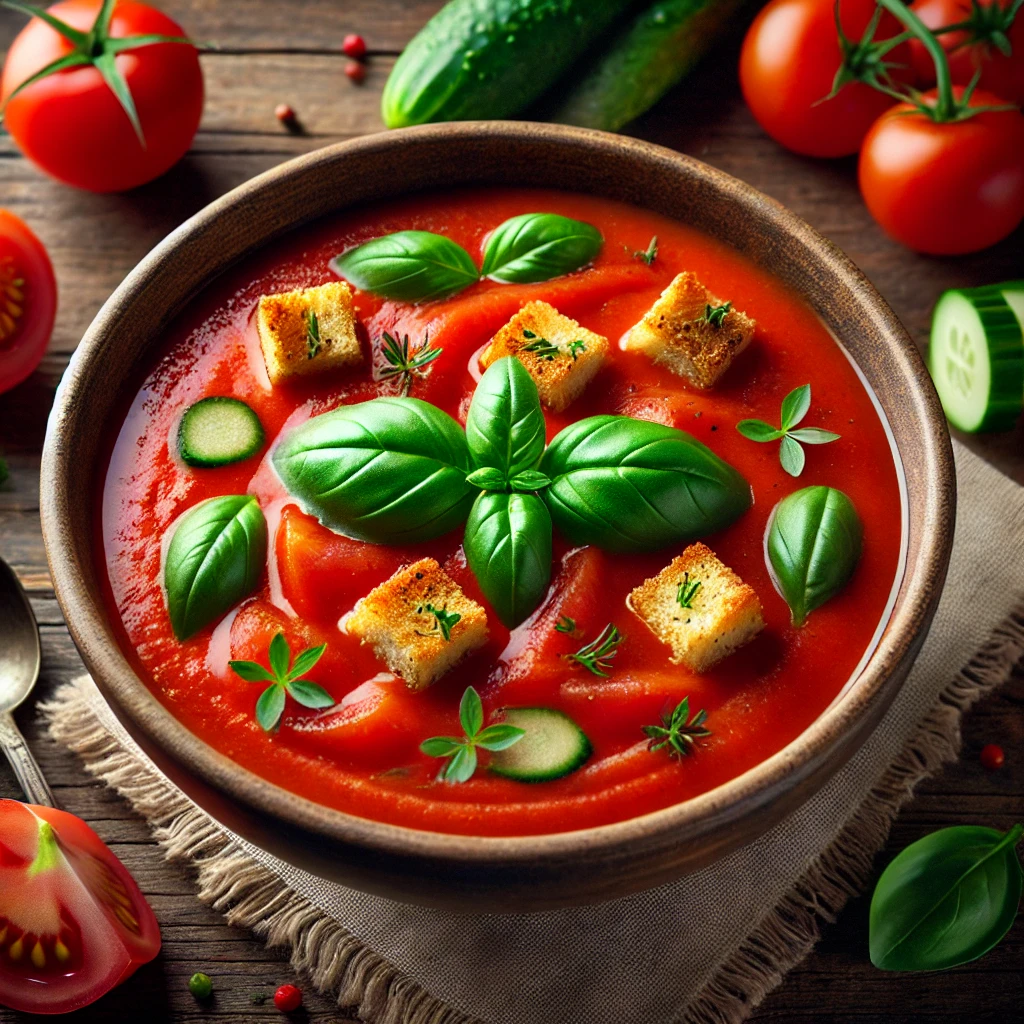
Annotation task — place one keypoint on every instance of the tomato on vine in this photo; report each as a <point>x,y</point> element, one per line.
<point>806,69</point>
<point>101,94</point>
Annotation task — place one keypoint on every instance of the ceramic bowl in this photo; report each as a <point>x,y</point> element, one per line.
<point>447,870</point>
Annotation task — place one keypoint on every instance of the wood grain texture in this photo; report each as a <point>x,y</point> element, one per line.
<point>288,52</point>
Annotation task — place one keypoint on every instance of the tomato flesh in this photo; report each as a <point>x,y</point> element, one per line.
<point>73,924</point>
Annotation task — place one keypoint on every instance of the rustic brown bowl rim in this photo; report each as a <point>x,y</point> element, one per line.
<point>724,807</point>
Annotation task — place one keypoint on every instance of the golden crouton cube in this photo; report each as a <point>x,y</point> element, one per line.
<point>308,331</point>
<point>699,607</point>
<point>558,354</point>
<point>684,331</point>
<point>420,623</point>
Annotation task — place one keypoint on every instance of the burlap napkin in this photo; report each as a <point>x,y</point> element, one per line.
<point>707,948</point>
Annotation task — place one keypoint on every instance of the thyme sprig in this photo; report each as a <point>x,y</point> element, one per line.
<point>715,315</point>
<point>597,656</point>
<point>650,254</point>
<point>444,620</point>
<point>687,591</point>
<point>678,732</point>
<point>404,363</point>
<point>566,624</point>
<point>312,333</point>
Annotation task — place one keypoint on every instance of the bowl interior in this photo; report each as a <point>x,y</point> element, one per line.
<point>119,344</point>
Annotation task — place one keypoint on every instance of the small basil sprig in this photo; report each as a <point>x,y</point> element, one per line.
<point>412,266</point>
<point>794,408</point>
<point>285,677</point>
<point>539,246</point>
<point>215,558</point>
<point>418,266</point>
<point>813,546</point>
<point>396,470</point>
<point>461,750</point>
<point>946,899</point>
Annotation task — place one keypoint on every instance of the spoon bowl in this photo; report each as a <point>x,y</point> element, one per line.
<point>20,658</point>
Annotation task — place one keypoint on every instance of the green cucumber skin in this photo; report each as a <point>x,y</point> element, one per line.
<point>200,461</point>
<point>487,59</point>
<point>1003,332</point>
<point>576,759</point>
<point>644,62</point>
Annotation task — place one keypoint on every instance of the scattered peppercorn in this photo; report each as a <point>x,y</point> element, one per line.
<point>355,71</point>
<point>201,986</point>
<point>992,757</point>
<point>288,998</point>
<point>354,46</point>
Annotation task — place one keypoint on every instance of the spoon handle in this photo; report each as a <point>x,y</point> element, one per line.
<point>26,770</point>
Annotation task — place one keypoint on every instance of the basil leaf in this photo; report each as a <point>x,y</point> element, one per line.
<point>412,266</point>
<point>508,547</point>
<point>487,478</point>
<point>440,746</point>
<point>795,406</point>
<point>387,471</point>
<point>630,485</point>
<point>505,425</point>
<point>305,661</point>
<point>462,765</point>
<point>813,546</point>
<point>792,456</point>
<point>499,737</point>
<point>530,480</point>
<point>215,559</point>
<point>539,246</point>
<point>251,672</point>
<point>270,707</point>
<point>813,435</point>
<point>280,655</point>
<point>471,712</point>
<point>758,430</point>
<point>310,695</point>
<point>946,899</point>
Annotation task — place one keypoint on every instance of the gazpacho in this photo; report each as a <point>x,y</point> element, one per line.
<point>499,512</point>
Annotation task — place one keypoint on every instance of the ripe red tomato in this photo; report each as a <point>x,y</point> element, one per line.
<point>73,923</point>
<point>948,188</point>
<point>788,63</point>
<point>28,300</point>
<point>1002,74</point>
<point>71,125</point>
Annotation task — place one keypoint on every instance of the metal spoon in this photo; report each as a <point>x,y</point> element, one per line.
<point>19,670</point>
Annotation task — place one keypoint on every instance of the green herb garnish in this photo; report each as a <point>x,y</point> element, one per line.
<point>403,363</point>
<point>541,348</point>
<point>650,254</point>
<point>259,998</point>
<point>566,625</point>
<point>678,732</point>
<point>596,656</point>
<point>714,315</point>
<point>687,591</point>
<point>461,750</point>
<point>576,347</point>
<point>444,620</point>
<point>794,408</point>
<point>283,680</point>
<point>312,333</point>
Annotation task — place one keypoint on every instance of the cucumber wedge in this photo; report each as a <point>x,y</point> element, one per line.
<point>646,58</point>
<point>554,745</point>
<point>218,431</point>
<point>976,355</point>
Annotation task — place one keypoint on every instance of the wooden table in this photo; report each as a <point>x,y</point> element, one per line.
<point>270,52</point>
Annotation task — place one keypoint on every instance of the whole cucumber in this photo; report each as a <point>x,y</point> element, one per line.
<point>645,60</point>
<point>490,58</point>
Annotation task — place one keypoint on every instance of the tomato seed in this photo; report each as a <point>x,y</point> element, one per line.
<point>354,46</point>
<point>992,757</point>
<point>288,998</point>
<point>355,71</point>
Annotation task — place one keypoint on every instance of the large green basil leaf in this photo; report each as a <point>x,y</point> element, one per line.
<point>412,266</point>
<point>215,558</point>
<point>387,471</point>
<point>539,246</point>
<point>630,485</point>
<point>814,543</point>
<point>946,899</point>
<point>505,426</point>
<point>508,547</point>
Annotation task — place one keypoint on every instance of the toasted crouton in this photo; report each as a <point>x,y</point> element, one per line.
<point>558,354</point>
<point>308,331</point>
<point>723,614</point>
<point>420,623</point>
<point>675,331</point>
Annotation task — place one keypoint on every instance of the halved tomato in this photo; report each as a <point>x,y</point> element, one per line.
<point>73,924</point>
<point>28,300</point>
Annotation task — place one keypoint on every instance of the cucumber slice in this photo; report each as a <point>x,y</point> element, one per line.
<point>976,355</point>
<point>554,745</point>
<point>218,431</point>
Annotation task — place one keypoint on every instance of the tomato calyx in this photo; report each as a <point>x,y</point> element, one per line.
<point>95,47</point>
<point>864,59</point>
<point>987,25</point>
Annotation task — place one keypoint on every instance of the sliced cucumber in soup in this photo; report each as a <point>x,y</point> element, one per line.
<point>976,355</point>
<point>218,431</point>
<point>554,745</point>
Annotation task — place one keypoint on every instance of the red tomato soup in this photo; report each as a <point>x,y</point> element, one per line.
<point>363,754</point>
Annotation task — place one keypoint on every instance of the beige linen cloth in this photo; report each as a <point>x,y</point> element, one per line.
<point>707,948</point>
